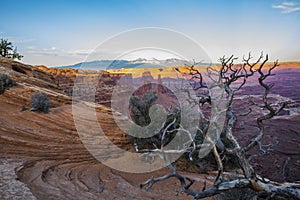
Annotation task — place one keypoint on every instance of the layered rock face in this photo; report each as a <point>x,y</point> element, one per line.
<point>52,162</point>
<point>286,87</point>
<point>50,159</point>
<point>35,80</point>
<point>90,85</point>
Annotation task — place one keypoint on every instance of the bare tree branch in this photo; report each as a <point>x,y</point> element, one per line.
<point>232,77</point>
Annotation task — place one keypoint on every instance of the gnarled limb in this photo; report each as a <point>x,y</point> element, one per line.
<point>227,76</point>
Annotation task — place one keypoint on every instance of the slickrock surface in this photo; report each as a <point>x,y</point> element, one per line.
<point>48,156</point>
<point>10,187</point>
<point>43,157</point>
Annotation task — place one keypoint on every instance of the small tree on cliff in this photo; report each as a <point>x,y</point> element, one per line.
<point>7,50</point>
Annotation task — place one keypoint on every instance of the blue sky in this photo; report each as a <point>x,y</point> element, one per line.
<point>64,32</point>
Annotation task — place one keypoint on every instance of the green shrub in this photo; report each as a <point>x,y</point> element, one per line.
<point>140,108</point>
<point>40,102</point>
<point>7,50</point>
<point>5,82</point>
<point>140,114</point>
<point>24,108</point>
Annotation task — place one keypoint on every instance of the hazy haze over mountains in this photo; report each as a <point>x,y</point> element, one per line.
<point>138,63</point>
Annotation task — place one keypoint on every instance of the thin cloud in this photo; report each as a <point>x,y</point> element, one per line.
<point>53,51</point>
<point>31,47</point>
<point>43,53</point>
<point>21,40</point>
<point>17,40</point>
<point>289,3</point>
<point>287,7</point>
<point>80,52</point>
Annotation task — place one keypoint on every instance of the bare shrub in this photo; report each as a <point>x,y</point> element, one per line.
<point>5,82</point>
<point>40,102</point>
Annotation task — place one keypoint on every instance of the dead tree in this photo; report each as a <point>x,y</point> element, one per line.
<point>233,77</point>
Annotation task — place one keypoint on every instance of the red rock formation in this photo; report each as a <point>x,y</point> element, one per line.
<point>53,162</point>
<point>160,88</point>
<point>59,167</point>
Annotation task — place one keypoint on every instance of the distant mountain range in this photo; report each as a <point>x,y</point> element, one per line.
<point>138,63</point>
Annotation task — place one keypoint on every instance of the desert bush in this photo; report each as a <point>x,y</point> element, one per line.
<point>140,108</point>
<point>5,82</point>
<point>24,108</point>
<point>140,114</point>
<point>40,102</point>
